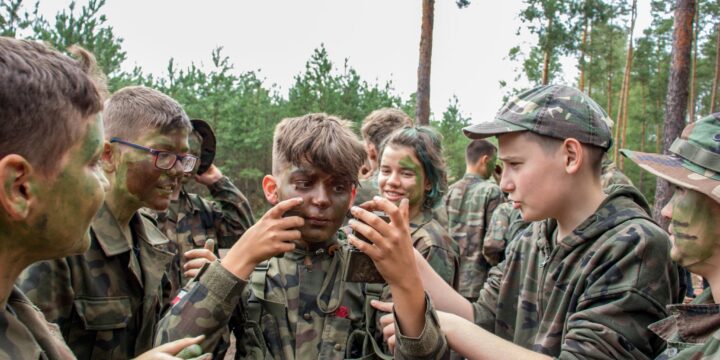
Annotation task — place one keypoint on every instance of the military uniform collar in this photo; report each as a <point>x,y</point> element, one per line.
<point>470,176</point>
<point>110,236</point>
<point>423,217</point>
<point>692,323</point>
<point>312,250</point>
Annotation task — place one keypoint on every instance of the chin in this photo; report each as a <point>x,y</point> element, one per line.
<point>159,204</point>
<point>315,235</point>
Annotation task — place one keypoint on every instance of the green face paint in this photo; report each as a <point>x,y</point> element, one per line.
<point>490,166</point>
<point>694,228</point>
<point>401,176</point>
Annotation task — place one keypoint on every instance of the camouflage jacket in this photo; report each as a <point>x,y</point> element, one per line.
<point>192,220</point>
<point>505,224</point>
<point>590,295</point>
<point>367,189</point>
<point>294,307</point>
<point>470,203</point>
<point>689,327</point>
<point>108,300</point>
<point>611,175</point>
<point>25,334</point>
<point>436,245</point>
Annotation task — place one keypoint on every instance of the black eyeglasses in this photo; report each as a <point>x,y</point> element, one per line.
<point>164,160</point>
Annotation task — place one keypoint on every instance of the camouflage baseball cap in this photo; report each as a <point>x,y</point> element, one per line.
<point>207,148</point>
<point>694,162</point>
<point>556,111</point>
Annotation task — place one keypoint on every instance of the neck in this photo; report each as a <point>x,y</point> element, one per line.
<point>121,207</point>
<point>709,269</point>
<point>570,217</point>
<point>475,171</point>
<point>415,211</point>
<point>14,261</point>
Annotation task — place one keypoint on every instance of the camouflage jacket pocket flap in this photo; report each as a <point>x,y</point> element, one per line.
<point>104,313</point>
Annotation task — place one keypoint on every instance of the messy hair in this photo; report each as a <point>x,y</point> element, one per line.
<point>44,99</point>
<point>427,145</point>
<point>321,140</point>
<point>380,123</point>
<point>134,110</point>
<point>477,149</point>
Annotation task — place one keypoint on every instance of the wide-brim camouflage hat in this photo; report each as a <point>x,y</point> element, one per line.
<point>694,162</point>
<point>556,111</point>
<point>207,148</point>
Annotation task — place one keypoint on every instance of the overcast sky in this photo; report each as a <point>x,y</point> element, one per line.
<point>379,38</point>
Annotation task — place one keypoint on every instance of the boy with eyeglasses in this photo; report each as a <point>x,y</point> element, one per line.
<point>108,300</point>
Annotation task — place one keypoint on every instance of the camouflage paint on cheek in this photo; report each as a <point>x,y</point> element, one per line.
<point>416,195</point>
<point>694,228</point>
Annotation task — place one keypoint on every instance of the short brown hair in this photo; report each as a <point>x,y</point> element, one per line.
<point>380,123</point>
<point>133,110</point>
<point>321,140</point>
<point>477,149</point>
<point>44,98</point>
<point>595,154</point>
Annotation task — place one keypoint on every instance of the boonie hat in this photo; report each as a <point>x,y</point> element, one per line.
<point>557,111</point>
<point>694,160</point>
<point>207,148</point>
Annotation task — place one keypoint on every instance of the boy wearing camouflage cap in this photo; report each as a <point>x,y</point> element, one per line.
<point>693,168</point>
<point>583,281</point>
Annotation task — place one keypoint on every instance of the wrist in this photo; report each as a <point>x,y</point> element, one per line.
<point>241,268</point>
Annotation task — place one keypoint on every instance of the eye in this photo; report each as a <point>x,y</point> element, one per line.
<point>385,171</point>
<point>407,173</point>
<point>302,185</point>
<point>339,188</point>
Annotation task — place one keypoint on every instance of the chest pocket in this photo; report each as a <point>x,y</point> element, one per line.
<point>105,322</point>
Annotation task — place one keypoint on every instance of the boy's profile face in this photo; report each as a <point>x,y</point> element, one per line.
<point>693,229</point>
<point>326,199</point>
<point>139,180</point>
<point>402,176</point>
<point>531,177</point>
<point>70,201</point>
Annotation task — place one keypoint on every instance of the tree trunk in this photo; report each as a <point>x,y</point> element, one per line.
<point>643,135</point>
<point>693,78</point>
<point>677,95</point>
<point>622,118</point>
<point>713,96</point>
<point>583,46</point>
<point>548,55</point>
<point>422,112</point>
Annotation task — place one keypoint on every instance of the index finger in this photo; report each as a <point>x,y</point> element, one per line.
<point>282,207</point>
<point>176,346</point>
<point>397,214</point>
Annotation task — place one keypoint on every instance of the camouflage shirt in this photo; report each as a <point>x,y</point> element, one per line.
<point>25,334</point>
<point>294,307</point>
<point>192,220</point>
<point>436,245</point>
<point>367,189</point>
<point>689,327</point>
<point>470,203</point>
<point>108,300</point>
<point>505,224</point>
<point>611,175</point>
<point>590,295</point>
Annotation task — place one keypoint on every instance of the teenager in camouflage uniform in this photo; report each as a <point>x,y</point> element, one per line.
<point>583,283</point>
<point>693,167</point>
<point>504,226</point>
<point>294,305</point>
<point>412,167</point>
<point>53,100</point>
<point>191,220</point>
<point>108,300</point>
<point>470,203</point>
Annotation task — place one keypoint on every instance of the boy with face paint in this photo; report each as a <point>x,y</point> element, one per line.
<point>108,300</point>
<point>583,281</point>
<point>50,193</point>
<point>693,168</point>
<point>283,279</point>
<point>470,203</point>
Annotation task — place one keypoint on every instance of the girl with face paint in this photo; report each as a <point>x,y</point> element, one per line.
<point>693,169</point>
<point>412,167</point>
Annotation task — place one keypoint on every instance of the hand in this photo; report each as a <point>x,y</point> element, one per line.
<point>273,234</point>
<point>209,177</point>
<point>178,349</point>
<point>196,258</point>
<point>387,322</point>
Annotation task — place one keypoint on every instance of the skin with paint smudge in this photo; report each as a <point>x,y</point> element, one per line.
<point>326,199</point>
<point>693,227</point>
<point>72,198</point>
<point>402,176</point>
<point>490,166</point>
<point>138,183</point>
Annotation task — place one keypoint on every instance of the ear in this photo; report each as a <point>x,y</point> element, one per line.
<point>108,158</point>
<point>573,155</point>
<point>428,185</point>
<point>353,193</point>
<point>372,152</point>
<point>269,185</point>
<point>482,161</point>
<point>16,194</point>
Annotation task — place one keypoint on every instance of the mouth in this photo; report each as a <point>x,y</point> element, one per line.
<point>393,195</point>
<point>515,204</point>
<point>166,189</point>
<point>317,221</point>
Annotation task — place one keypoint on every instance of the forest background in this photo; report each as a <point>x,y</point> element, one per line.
<point>627,75</point>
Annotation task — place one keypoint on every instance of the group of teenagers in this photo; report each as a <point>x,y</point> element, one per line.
<point>92,206</point>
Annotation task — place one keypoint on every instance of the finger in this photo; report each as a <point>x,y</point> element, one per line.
<point>368,205</point>
<point>405,210</point>
<point>371,251</point>
<point>290,222</point>
<point>382,306</point>
<point>391,344</point>
<point>278,210</point>
<point>210,245</point>
<point>387,319</point>
<point>195,264</point>
<point>174,347</point>
<point>392,211</point>
<point>190,352</point>
<point>287,236</point>
<point>200,254</point>
<point>191,273</point>
<point>366,230</point>
<point>388,332</point>
<point>372,220</point>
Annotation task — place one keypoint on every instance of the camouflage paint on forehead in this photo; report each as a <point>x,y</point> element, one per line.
<point>416,195</point>
<point>694,228</point>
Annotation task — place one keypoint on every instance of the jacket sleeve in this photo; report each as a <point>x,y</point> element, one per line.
<point>232,214</point>
<point>494,243</point>
<point>484,307</point>
<point>204,306</point>
<point>444,262</point>
<point>48,284</point>
<point>431,344</point>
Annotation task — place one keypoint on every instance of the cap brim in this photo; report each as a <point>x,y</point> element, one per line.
<point>491,128</point>
<point>671,168</point>
<point>207,148</point>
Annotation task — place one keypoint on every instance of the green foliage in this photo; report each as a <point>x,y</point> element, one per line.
<point>454,142</point>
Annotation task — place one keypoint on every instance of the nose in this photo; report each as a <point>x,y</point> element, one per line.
<point>667,210</point>
<point>506,183</point>
<point>393,179</point>
<point>177,169</point>
<point>320,197</point>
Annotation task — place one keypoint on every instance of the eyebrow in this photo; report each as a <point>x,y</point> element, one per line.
<point>509,158</point>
